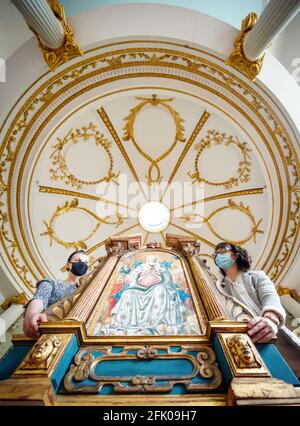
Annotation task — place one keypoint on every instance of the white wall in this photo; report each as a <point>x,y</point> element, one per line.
<point>287,47</point>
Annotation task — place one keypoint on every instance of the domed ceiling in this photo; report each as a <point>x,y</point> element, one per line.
<point>144,121</point>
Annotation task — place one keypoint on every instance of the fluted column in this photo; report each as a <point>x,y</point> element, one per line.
<point>274,18</point>
<point>213,307</point>
<point>55,36</point>
<point>87,301</point>
<point>40,17</point>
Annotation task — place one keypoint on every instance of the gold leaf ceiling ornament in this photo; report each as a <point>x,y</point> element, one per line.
<point>86,134</point>
<point>129,133</point>
<point>73,205</point>
<point>213,137</point>
<point>196,218</point>
<point>69,49</point>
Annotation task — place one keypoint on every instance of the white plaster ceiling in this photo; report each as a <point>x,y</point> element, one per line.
<point>154,131</point>
<point>243,135</point>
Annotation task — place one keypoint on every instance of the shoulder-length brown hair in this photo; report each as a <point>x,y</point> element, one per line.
<point>243,259</point>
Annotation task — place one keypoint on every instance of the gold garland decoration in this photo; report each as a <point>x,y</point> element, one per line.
<point>129,133</point>
<point>73,205</point>
<point>86,133</point>
<point>243,171</point>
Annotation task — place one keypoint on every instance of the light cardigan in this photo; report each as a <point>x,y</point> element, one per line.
<point>259,293</point>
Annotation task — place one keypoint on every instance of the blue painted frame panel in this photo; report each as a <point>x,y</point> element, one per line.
<point>131,368</point>
<point>62,367</point>
<point>12,359</point>
<point>222,361</point>
<point>276,363</point>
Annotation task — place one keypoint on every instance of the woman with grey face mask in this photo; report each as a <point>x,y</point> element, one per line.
<point>253,288</point>
<point>51,291</point>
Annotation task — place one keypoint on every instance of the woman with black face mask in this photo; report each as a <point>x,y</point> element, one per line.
<point>51,291</point>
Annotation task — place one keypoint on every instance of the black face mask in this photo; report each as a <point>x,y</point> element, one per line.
<point>79,268</point>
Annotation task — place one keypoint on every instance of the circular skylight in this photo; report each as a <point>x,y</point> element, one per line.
<point>154,216</point>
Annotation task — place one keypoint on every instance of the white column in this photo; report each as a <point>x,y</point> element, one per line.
<point>291,305</point>
<point>40,17</point>
<point>8,317</point>
<point>274,18</point>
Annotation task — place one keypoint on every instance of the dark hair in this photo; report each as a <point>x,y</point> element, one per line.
<point>75,252</point>
<point>243,259</point>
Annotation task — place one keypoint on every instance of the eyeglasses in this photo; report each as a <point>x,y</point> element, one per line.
<point>220,251</point>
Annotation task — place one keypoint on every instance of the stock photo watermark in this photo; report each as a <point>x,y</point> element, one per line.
<point>174,200</point>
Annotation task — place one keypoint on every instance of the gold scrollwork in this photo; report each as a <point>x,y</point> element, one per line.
<point>238,59</point>
<point>69,48</point>
<point>196,218</point>
<point>73,205</point>
<point>290,291</point>
<point>243,171</point>
<point>129,133</point>
<point>85,365</point>
<point>19,299</point>
<point>86,133</point>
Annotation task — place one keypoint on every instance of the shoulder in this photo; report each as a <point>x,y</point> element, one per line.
<point>255,274</point>
<point>259,278</point>
<point>44,282</point>
<point>49,283</point>
<point>254,277</point>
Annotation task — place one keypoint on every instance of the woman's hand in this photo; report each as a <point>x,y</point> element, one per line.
<point>261,329</point>
<point>31,324</point>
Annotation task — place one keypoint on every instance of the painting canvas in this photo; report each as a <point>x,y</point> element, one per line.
<point>147,295</point>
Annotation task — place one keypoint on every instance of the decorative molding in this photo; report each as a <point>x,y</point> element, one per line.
<point>237,59</point>
<point>19,299</point>
<point>86,133</point>
<point>243,171</point>
<point>82,309</point>
<point>195,218</point>
<point>242,355</point>
<point>209,295</point>
<point>68,50</point>
<point>129,133</point>
<point>243,192</point>
<point>119,245</point>
<point>106,120</point>
<point>261,391</point>
<point>44,356</point>
<point>199,126</point>
<point>202,359</point>
<point>292,292</point>
<point>68,193</point>
<point>73,205</point>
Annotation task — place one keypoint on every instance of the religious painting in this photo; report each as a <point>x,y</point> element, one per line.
<point>148,294</point>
